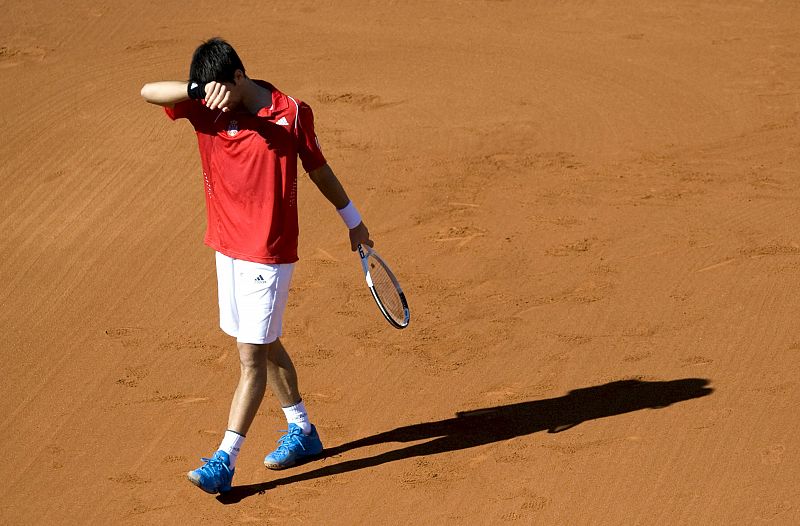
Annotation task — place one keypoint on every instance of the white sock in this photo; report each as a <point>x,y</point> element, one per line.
<point>297,414</point>
<point>230,445</point>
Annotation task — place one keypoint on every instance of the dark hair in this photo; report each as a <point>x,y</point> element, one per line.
<point>214,60</point>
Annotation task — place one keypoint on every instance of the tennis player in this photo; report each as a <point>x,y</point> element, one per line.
<point>250,135</point>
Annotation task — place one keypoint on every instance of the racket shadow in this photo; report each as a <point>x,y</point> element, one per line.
<point>494,424</point>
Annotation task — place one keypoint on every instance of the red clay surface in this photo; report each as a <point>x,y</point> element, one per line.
<point>593,207</point>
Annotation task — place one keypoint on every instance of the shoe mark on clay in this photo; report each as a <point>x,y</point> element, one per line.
<point>531,503</point>
<point>213,355</point>
<point>643,330</point>
<point>528,507</point>
<point>766,182</point>
<point>435,358</point>
<point>773,455</point>
<point>215,359</point>
<point>264,517</point>
<point>324,257</point>
<point>771,510</point>
<point>478,459</point>
<point>129,479</point>
<point>318,398</point>
<point>178,398</point>
<point>515,455</point>
<point>565,221</point>
<point>572,339</point>
<point>505,161</point>
<point>789,267</point>
<point>714,417</point>
<point>780,389</point>
<point>772,249</point>
<point>667,195</point>
<point>394,349</point>
<point>147,44</point>
<point>140,507</point>
<point>342,144</point>
<point>314,358</point>
<point>427,471</point>
<point>571,449</point>
<point>578,247</point>
<point>161,397</point>
<point>536,503</point>
<point>696,360</point>
<point>503,394</point>
<point>132,376</point>
<point>11,56</point>
<point>127,336</point>
<point>513,393</point>
<point>637,356</point>
<point>364,101</point>
<point>459,234</point>
<point>55,453</point>
<point>188,343</point>
<point>588,292</point>
<point>699,177</point>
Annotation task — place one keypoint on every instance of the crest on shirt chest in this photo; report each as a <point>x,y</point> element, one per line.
<point>233,128</point>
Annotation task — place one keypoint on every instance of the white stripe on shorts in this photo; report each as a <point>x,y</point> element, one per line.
<point>252,298</point>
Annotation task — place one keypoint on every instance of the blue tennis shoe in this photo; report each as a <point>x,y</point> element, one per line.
<point>214,476</point>
<point>294,447</point>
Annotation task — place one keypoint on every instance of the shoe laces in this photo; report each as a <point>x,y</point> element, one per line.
<point>212,465</point>
<point>285,442</point>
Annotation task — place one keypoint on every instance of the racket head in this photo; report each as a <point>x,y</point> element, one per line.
<point>385,288</point>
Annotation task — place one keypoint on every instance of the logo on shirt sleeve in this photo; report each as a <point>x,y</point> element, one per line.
<point>283,122</point>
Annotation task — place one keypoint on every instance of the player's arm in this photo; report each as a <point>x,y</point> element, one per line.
<point>170,92</point>
<point>165,93</point>
<point>332,189</point>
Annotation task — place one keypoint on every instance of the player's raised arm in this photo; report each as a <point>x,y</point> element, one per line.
<point>332,189</point>
<point>170,92</point>
<point>165,93</point>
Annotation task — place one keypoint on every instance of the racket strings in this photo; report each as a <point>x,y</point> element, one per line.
<point>386,290</point>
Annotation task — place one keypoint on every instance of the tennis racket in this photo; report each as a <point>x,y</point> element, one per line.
<point>384,288</point>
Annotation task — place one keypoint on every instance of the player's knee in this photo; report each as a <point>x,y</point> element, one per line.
<point>252,357</point>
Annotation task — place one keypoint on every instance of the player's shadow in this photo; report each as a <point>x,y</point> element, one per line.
<point>494,424</point>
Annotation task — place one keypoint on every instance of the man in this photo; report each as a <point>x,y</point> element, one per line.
<point>250,136</point>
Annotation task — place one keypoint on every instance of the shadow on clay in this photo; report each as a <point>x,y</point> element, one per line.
<point>494,424</point>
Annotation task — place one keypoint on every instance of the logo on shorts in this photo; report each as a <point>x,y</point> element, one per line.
<point>233,128</point>
<point>283,122</point>
<point>259,279</point>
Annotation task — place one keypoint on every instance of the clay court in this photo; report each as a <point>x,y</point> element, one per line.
<point>592,207</point>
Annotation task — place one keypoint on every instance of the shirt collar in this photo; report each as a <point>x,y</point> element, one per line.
<point>279,102</point>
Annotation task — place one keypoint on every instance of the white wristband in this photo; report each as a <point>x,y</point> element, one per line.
<point>350,215</point>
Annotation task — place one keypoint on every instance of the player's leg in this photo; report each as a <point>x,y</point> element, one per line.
<point>251,388</point>
<point>301,440</point>
<point>281,375</point>
<point>216,474</point>
<point>218,471</point>
<point>262,293</point>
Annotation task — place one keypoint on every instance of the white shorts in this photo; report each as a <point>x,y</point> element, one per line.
<point>252,298</point>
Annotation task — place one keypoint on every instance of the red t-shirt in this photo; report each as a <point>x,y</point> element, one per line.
<point>250,174</point>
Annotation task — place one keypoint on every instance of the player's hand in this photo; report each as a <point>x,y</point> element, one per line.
<point>360,236</point>
<point>217,96</point>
